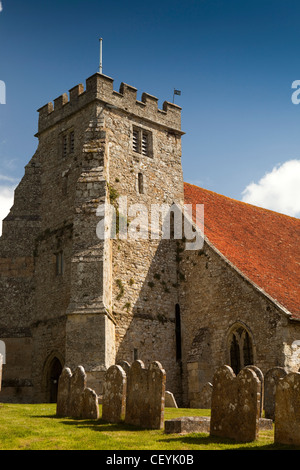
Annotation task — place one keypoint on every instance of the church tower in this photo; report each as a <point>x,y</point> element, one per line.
<point>93,301</point>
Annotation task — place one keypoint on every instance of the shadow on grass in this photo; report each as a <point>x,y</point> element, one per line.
<point>101,425</point>
<point>207,440</point>
<point>200,439</point>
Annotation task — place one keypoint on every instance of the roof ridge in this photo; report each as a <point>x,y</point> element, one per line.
<point>263,209</point>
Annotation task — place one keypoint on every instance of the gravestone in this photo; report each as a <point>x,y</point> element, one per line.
<point>125,366</point>
<point>114,395</point>
<point>260,376</point>
<point>74,399</point>
<point>235,406</point>
<point>170,401</point>
<point>63,393</point>
<point>145,396</point>
<point>271,380</point>
<point>287,410</point>
<point>202,399</point>
<point>89,404</point>
<point>77,386</point>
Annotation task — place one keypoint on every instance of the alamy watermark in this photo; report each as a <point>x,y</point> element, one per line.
<point>157,221</point>
<point>295,95</point>
<point>2,92</point>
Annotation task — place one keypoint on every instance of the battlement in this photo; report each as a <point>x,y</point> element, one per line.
<point>100,87</point>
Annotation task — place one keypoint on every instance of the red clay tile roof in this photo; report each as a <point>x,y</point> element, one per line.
<point>262,244</point>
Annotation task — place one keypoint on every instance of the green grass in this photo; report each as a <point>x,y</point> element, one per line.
<point>36,427</point>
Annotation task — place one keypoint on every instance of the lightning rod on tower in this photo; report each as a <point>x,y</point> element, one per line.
<point>100,64</point>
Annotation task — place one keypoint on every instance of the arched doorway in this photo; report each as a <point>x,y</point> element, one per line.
<point>240,348</point>
<point>53,373</point>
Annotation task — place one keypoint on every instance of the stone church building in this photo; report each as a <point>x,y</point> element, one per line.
<point>70,298</point>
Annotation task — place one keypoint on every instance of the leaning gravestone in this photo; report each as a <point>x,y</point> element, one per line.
<point>114,395</point>
<point>287,410</point>
<point>145,397</point>
<point>63,393</point>
<point>235,404</point>
<point>272,377</point>
<point>170,401</point>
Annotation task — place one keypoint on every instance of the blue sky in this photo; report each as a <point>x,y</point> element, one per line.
<point>233,60</point>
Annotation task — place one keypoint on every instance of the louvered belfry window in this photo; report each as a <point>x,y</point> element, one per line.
<point>65,146</point>
<point>144,143</point>
<point>141,142</point>
<point>135,141</point>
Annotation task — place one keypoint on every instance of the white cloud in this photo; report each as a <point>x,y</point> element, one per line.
<point>6,201</point>
<point>278,190</point>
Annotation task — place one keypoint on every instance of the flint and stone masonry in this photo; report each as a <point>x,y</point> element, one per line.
<point>69,297</point>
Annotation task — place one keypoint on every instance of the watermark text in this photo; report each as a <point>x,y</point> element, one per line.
<point>155,222</point>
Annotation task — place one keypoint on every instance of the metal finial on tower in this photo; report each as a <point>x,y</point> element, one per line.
<point>100,64</point>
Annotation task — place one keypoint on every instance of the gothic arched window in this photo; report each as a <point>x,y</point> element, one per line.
<point>240,348</point>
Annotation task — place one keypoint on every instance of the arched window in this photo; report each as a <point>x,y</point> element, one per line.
<point>240,348</point>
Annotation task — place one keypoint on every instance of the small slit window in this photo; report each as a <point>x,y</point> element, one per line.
<point>140,183</point>
<point>59,263</point>
<point>178,332</point>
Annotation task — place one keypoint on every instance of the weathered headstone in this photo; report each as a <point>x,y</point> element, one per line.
<point>235,407</point>
<point>114,395</point>
<point>271,380</point>
<point>89,405</point>
<point>202,399</point>
<point>125,366</point>
<point>145,397</point>
<point>77,386</point>
<point>63,393</point>
<point>260,376</point>
<point>287,410</point>
<point>170,401</point>
<point>74,399</point>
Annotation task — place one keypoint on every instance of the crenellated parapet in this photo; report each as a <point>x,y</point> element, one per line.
<point>100,88</point>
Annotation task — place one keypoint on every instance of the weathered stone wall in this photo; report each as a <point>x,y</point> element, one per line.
<point>17,284</point>
<point>214,298</point>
